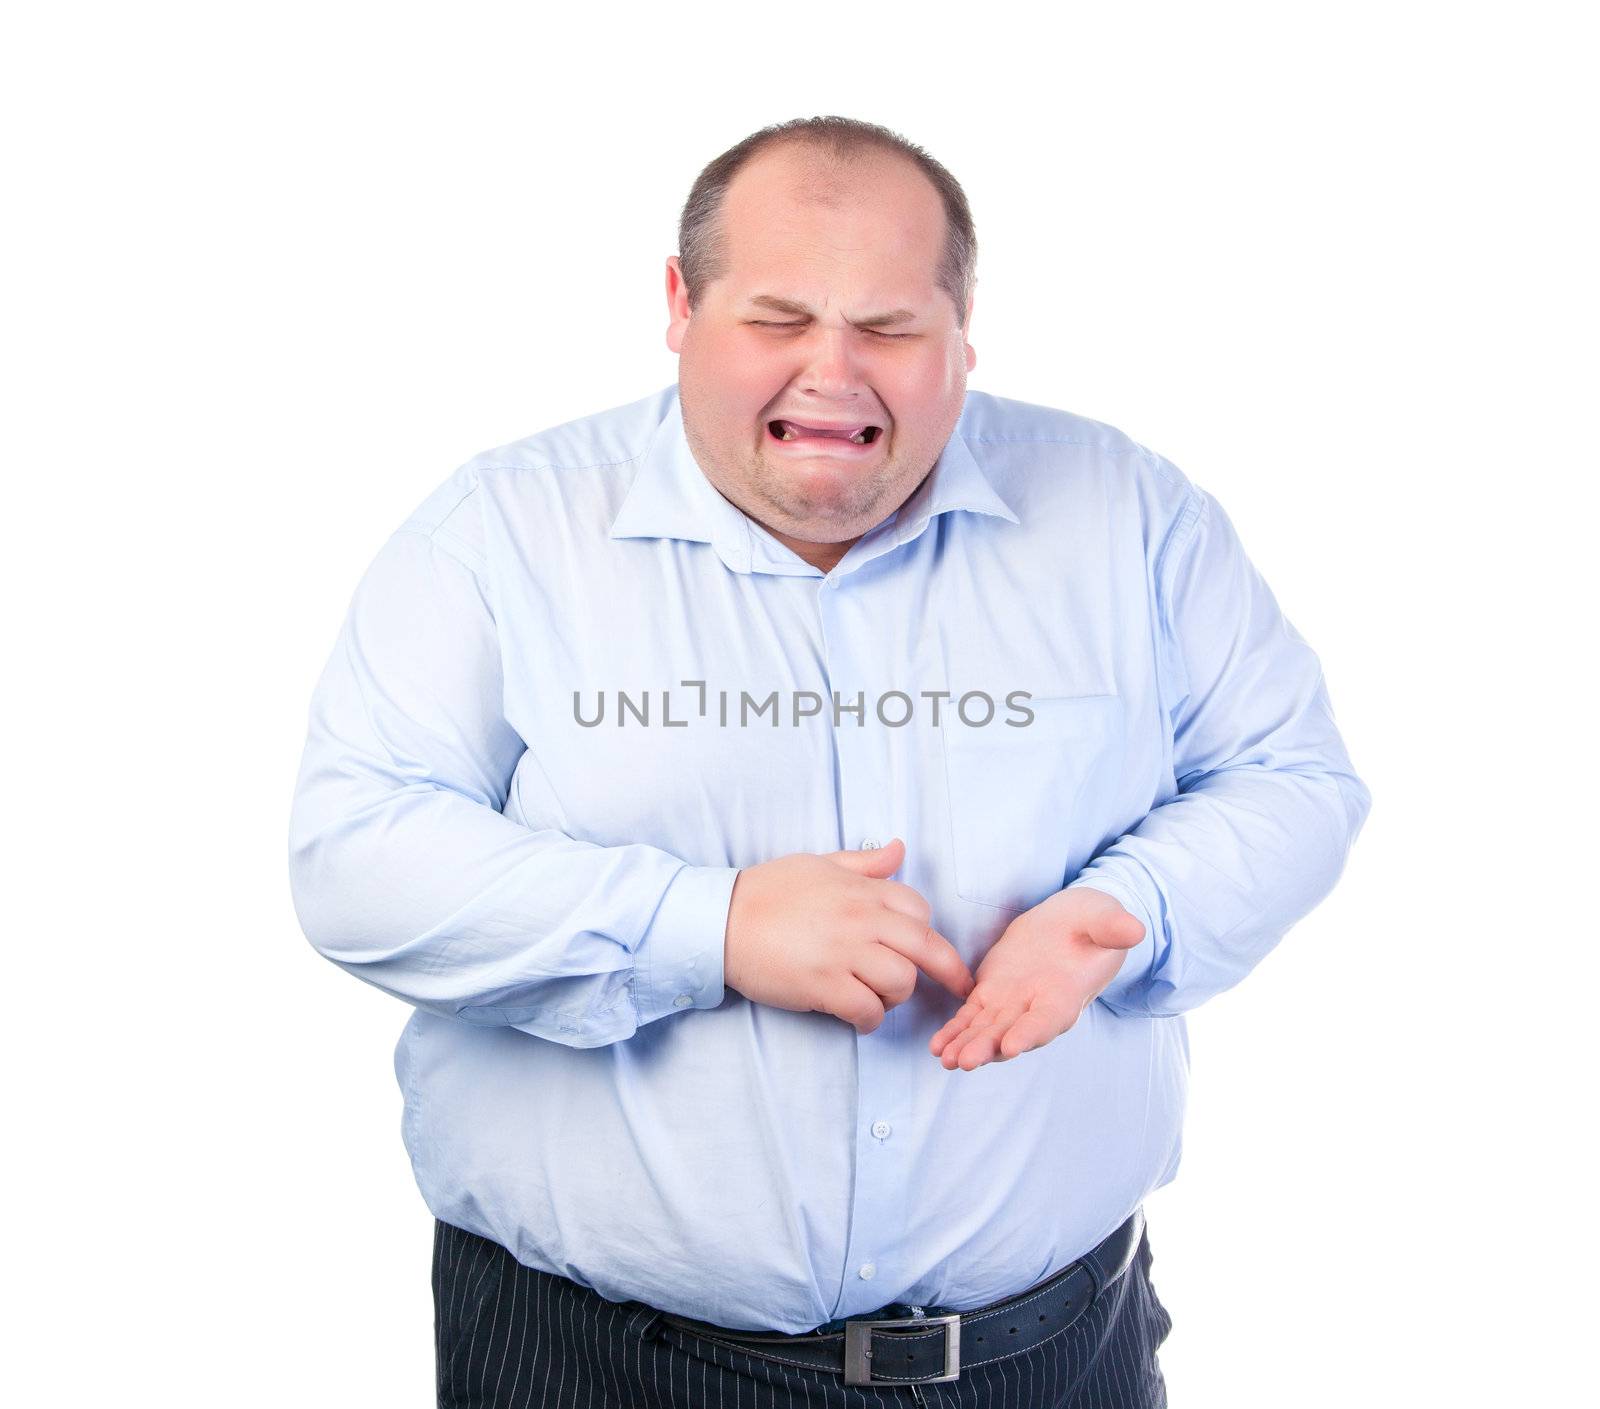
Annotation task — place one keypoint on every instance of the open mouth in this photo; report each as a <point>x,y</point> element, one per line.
<point>791,432</point>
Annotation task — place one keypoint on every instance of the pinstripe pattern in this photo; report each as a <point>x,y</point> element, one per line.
<point>508,1336</point>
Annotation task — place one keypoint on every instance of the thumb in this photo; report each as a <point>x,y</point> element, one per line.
<point>1116,930</point>
<point>880,862</point>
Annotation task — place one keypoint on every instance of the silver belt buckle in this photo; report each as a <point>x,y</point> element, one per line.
<point>858,1349</point>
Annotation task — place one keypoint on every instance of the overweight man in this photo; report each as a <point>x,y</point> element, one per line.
<point>799,807</point>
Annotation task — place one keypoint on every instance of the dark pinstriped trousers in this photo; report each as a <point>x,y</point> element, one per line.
<point>508,1336</point>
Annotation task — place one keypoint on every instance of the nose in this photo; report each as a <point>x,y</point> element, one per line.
<point>831,368</point>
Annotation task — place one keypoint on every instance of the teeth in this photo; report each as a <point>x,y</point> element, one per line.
<point>787,432</point>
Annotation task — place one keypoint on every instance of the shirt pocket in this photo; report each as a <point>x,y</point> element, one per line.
<point>1026,802</point>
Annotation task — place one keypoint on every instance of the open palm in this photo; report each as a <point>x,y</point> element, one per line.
<point>1048,966</point>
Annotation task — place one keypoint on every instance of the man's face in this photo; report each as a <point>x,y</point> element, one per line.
<point>781,336</point>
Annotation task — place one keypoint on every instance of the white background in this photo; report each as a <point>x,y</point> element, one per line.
<point>274,271</point>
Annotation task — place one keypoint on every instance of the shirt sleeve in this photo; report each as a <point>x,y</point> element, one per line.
<point>1267,803</point>
<point>404,870</point>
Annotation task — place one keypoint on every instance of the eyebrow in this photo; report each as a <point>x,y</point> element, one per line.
<point>876,320</point>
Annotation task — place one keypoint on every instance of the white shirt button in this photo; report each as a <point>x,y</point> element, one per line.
<point>869,846</point>
<point>881,1129</point>
<point>868,1271</point>
<point>682,1001</point>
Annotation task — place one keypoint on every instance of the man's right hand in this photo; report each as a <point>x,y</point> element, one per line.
<point>831,933</point>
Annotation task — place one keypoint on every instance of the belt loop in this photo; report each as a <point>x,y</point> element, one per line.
<point>642,1322</point>
<point>1127,1246</point>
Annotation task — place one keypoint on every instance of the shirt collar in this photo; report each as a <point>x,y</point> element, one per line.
<point>670,497</point>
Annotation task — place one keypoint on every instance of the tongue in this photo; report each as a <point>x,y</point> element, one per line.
<point>807,430</point>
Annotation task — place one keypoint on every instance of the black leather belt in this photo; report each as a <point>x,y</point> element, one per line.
<point>921,1349</point>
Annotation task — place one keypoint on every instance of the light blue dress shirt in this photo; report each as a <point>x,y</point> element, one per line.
<point>550,894</point>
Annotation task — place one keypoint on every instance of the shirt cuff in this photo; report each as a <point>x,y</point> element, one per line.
<point>1124,992</point>
<point>679,963</point>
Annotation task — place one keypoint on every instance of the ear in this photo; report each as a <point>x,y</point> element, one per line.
<point>966,328</point>
<point>677,304</point>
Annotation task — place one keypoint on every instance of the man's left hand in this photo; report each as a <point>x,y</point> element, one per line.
<point>1049,965</point>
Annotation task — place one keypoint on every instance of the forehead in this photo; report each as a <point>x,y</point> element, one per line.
<point>799,216</point>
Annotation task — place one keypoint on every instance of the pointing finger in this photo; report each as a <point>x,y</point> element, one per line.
<point>930,951</point>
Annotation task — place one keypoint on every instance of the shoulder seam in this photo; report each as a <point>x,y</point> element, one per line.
<point>466,493</point>
<point>435,528</point>
<point>452,545</point>
<point>1182,529</point>
<point>1163,467</point>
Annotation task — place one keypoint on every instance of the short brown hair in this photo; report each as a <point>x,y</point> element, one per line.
<point>702,256</point>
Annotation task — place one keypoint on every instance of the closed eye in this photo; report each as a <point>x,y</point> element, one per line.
<point>758,323</point>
